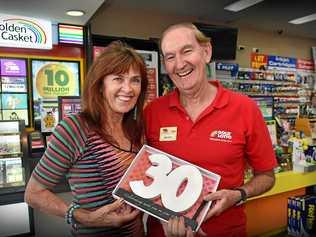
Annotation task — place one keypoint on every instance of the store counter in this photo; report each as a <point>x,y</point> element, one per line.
<point>268,213</point>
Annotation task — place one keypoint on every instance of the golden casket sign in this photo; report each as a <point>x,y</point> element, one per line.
<point>25,32</point>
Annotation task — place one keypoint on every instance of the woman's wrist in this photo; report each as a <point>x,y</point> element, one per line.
<point>82,216</point>
<point>69,216</point>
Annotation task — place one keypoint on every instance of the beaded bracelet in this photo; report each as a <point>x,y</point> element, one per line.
<point>70,214</point>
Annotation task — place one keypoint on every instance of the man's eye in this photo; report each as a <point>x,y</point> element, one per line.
<point>187,51</point>
<point>168,58</point>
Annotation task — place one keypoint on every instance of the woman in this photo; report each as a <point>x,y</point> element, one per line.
<point>94,148</point>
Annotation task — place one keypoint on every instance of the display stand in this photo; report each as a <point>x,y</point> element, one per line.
<point>37,145</point>
<point>270,209</point>
<point>17,217</point>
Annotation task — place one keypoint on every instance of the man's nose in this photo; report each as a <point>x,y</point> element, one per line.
<point>180,62</point>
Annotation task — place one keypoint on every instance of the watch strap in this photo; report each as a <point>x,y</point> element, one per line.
<point>243,196</point>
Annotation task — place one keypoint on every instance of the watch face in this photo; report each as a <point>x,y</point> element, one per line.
<point>243,195</point>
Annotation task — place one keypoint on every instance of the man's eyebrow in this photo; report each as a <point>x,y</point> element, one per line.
<point>167,54</point>
<point>187,46</point>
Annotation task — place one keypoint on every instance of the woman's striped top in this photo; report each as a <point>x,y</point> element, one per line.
<point>92,167</point>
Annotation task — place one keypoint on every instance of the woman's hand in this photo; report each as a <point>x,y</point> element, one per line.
<point>111,215</point>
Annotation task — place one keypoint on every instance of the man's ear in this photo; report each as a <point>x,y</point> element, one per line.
<point>208,52</point>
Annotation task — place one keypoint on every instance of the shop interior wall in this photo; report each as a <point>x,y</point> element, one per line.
<point>113,21</point>
<point>272,43</point>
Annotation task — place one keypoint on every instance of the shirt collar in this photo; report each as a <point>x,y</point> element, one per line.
<point>221,98</point>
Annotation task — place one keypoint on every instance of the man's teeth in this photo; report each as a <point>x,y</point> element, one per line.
<point>183,74</point>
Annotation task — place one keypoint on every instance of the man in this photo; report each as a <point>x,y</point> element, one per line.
<point>214,128</point>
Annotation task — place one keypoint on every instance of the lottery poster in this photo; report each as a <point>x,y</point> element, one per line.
<point>49,116</point>
<point>164,186</point>
<point>18,114</point>
<point>14,84</point>
<point>14,101</point>
<point>51,79</point>
<point>68,105</point>
<point>12,67</point>
<point>151,60</point>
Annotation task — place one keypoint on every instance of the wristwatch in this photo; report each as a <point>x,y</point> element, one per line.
<point>243,196</point>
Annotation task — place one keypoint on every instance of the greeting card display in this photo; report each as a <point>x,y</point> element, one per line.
<point>163,186</point>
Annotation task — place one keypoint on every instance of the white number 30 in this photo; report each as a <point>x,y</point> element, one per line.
<point>167,183</point>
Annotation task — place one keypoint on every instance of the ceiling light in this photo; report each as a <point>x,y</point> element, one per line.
<point>75,13</point>
<point>304,19</point>
<point>240,5</point>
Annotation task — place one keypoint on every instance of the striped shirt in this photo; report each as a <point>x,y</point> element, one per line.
<point>92,167</point>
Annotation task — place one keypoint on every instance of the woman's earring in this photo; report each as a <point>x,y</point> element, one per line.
<point>135,112</point>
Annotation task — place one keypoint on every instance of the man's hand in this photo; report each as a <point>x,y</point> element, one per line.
<point>221,200</point>
<point>226,198</point>
<point>176,228</point>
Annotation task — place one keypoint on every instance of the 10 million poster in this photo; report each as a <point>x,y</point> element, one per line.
<point>51,79</point>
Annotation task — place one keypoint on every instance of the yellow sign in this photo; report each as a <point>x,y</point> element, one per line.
<point>259,61</point>
<point>55,79</point>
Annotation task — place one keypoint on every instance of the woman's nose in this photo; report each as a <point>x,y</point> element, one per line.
<point>126,86</point>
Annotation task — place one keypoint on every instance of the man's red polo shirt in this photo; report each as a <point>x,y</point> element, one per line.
<point>228,134</point>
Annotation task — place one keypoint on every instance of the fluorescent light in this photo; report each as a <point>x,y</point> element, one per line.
<point>240,5</point>
<point>75,13</point>
<point>304,19</point>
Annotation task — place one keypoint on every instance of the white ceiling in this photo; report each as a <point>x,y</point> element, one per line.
<point>53,10</point>
<point>270,15</point>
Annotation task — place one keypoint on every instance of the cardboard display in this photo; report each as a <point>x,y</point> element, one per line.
<point>164,186</point>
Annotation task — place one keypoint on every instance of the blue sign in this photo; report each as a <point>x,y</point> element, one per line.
<point>231,67</point>
<point>277,62</point>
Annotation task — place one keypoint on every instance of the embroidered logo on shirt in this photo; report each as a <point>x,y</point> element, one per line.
<point>221,136</point>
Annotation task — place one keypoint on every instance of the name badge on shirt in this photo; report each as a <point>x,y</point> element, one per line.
<point>168,134</point>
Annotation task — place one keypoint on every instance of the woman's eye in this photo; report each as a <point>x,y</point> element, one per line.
<point>187,51</point>
<point>136,80</point>
<point>117,79</point>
